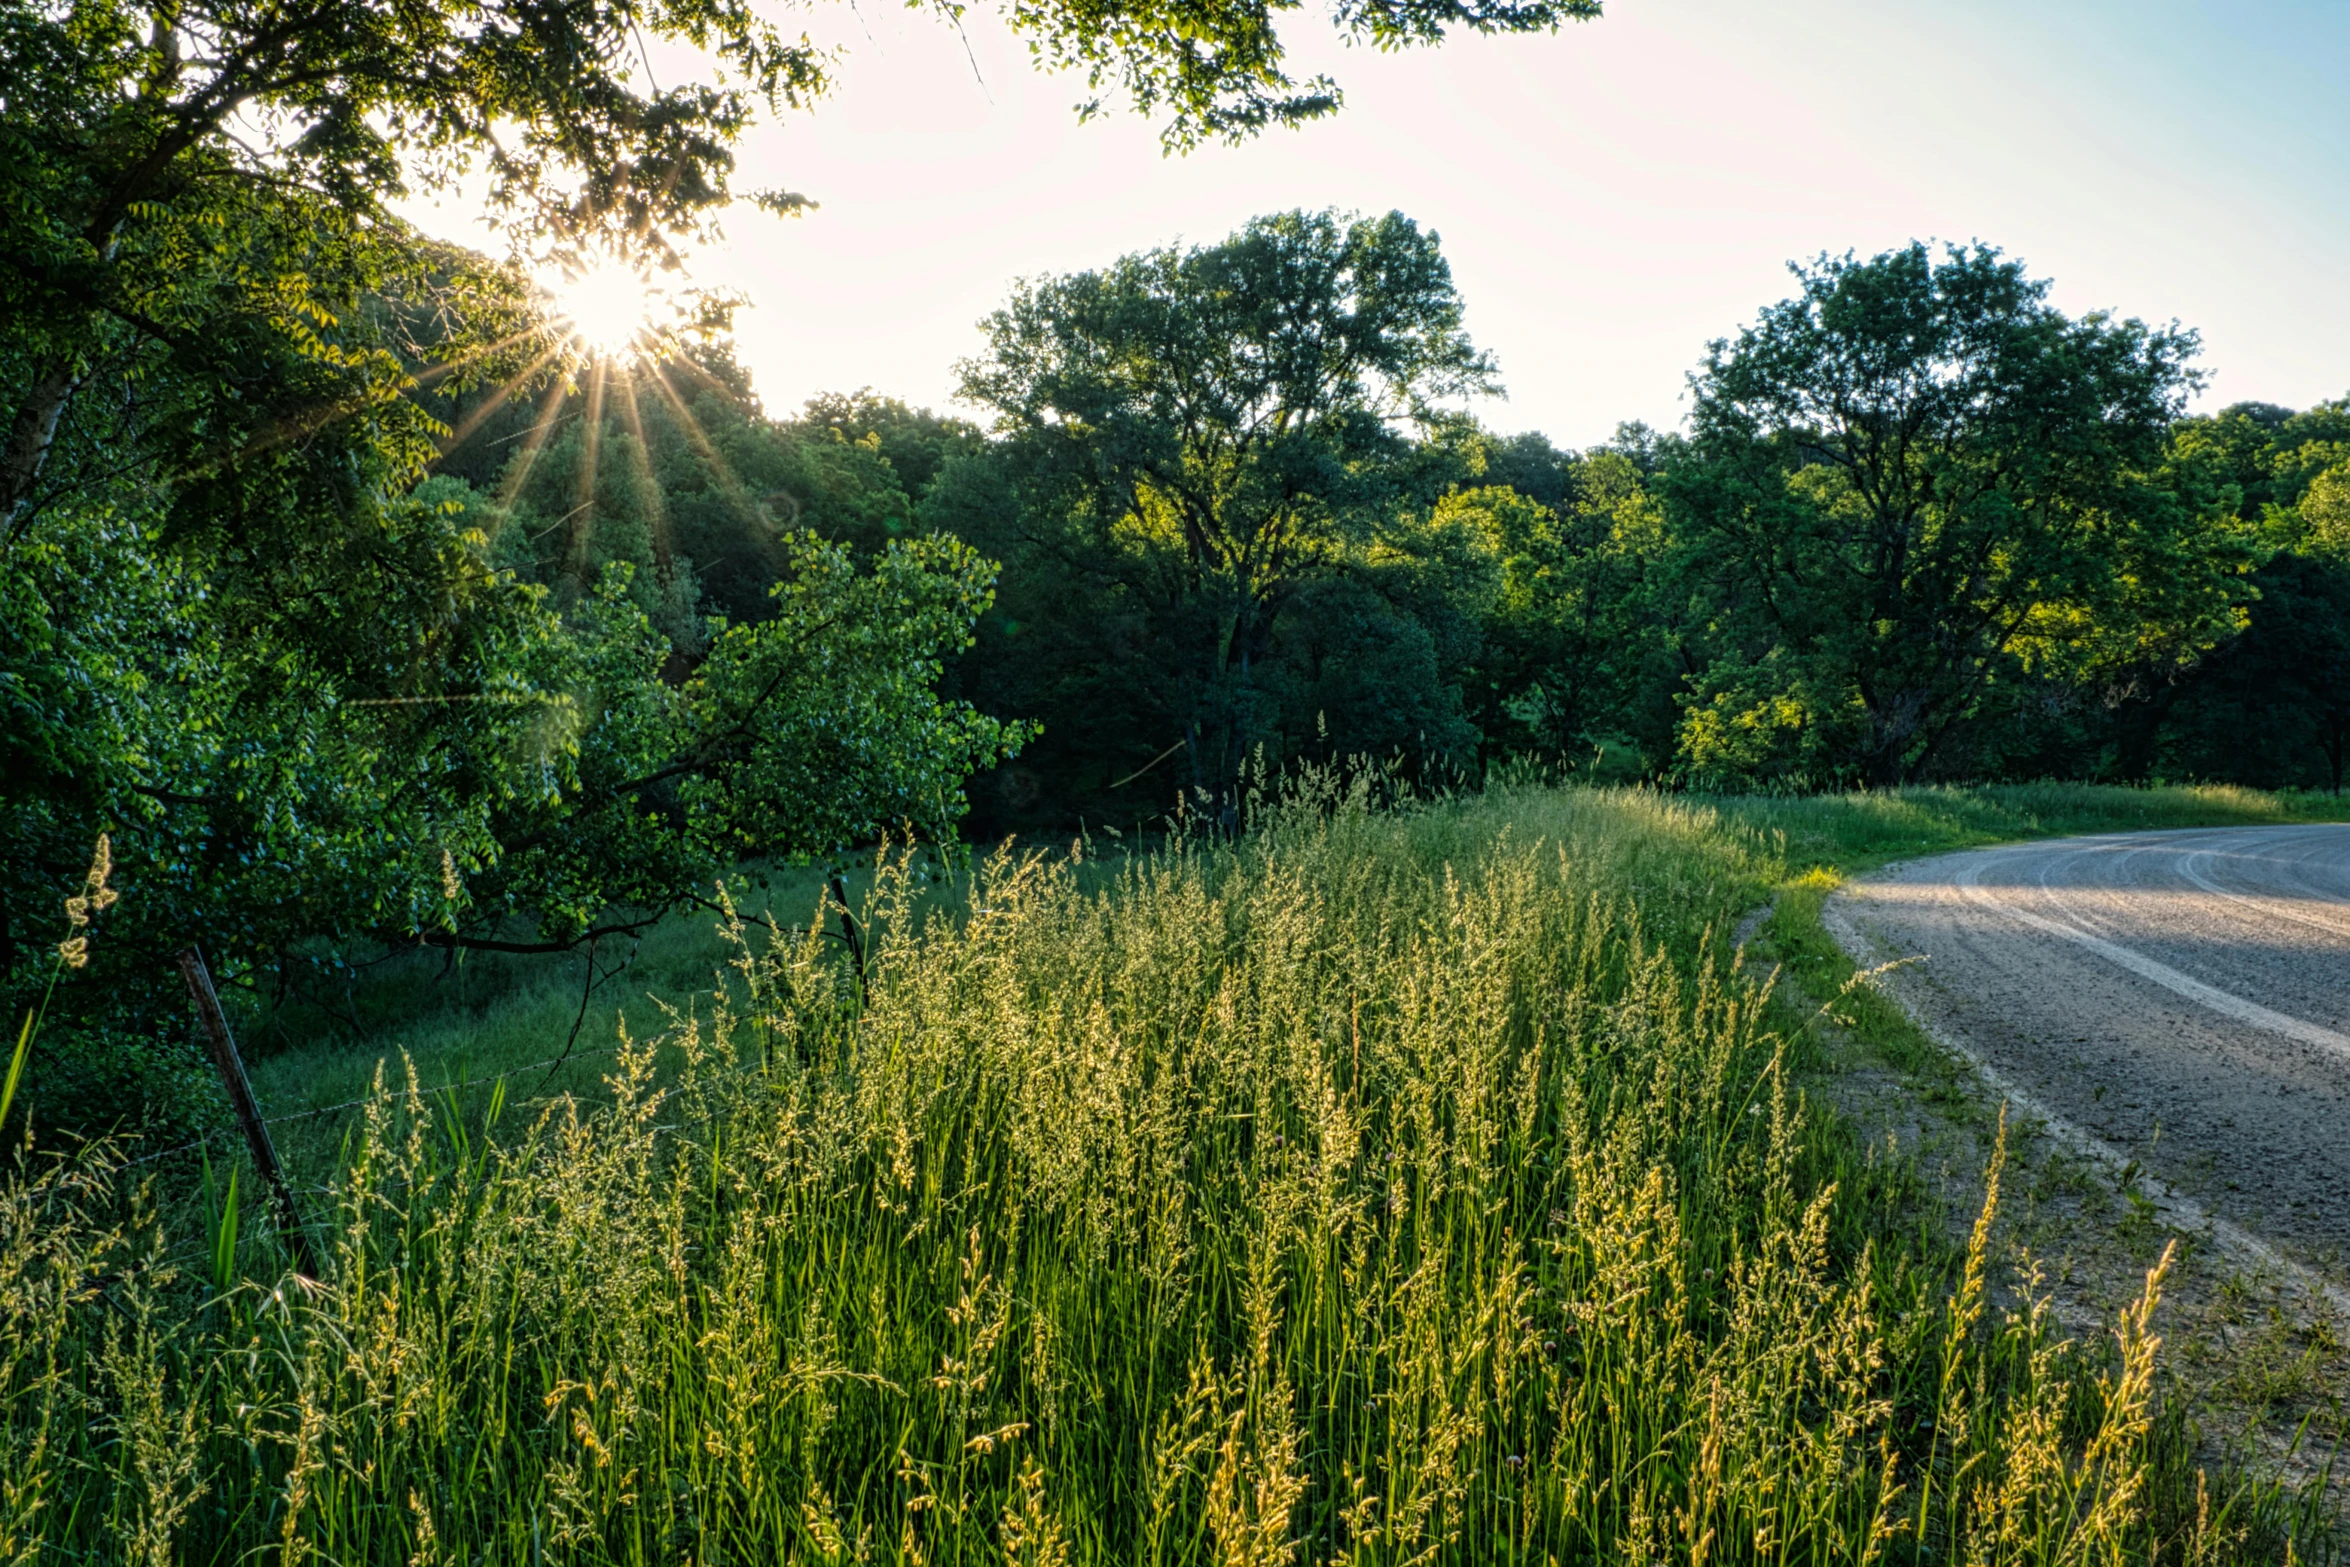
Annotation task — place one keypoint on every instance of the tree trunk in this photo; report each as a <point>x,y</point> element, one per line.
<point>30,435</point>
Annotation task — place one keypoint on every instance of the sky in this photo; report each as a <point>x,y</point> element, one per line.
<point>1611,198</point>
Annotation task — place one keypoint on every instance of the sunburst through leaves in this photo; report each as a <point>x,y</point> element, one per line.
<point>608,309</point>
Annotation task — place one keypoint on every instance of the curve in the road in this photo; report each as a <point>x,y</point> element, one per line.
<point>2180,998</point>
<point>2237,1007</point>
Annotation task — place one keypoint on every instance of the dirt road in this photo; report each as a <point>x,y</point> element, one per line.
<point>2180,998</point>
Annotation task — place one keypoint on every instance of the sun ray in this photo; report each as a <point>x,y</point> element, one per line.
<point>443,368</point>
<point>289,428</point>
<point>728,482</point>
<point>498,399</point>
<point>591,447</point>
<point>518,471</point>
<point>716,385</point>
<point>647,486</point>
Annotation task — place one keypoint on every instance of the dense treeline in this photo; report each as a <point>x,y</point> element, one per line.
<point>1921,526</point>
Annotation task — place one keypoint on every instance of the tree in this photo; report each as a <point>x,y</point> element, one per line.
<point>915,442</point>
<point>239,627</point>
<point>139,136</point>
<point>1917,480</point>
<point>1571,619</point>
<point>675,469</point>
<point>1237,412</point>
<point>813,729</point>
<point>2288,477</point>
<point>2291,667</point>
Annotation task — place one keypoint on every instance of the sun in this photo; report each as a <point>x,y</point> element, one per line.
<point>608,309</point>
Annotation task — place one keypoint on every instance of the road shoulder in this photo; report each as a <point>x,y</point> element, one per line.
<point>2259,1343</point>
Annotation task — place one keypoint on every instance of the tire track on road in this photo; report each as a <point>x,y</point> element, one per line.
<point>2218,1000</point>
<point>2175,1002</point>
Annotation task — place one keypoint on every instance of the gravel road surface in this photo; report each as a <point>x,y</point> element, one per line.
<point>2182,998</point>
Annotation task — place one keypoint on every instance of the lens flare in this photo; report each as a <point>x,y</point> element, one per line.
<point>608,309</point>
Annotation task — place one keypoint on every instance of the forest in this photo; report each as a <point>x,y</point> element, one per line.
<point>365,610</point>
<point>1922,528</point>
<point>517,660</point>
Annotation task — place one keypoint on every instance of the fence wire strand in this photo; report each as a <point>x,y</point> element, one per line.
<point>369,1098</point>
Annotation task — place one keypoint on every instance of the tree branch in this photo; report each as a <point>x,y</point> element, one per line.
<point>439,939</point>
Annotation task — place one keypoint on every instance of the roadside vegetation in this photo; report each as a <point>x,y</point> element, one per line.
<point>478,1014</point>
<point>1381,1185</point>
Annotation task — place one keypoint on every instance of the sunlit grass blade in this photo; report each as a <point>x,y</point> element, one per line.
<point>16,1060</point>
<point>222,1223</point>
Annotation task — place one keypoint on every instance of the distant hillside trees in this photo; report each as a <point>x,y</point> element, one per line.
<point>2270,707</point>
<point>1923,527</point>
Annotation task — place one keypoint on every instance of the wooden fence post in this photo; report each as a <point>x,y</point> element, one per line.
<point>240,1098</point>
<point>852,939</point>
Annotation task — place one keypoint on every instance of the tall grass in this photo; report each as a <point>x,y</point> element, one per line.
<point>1863,828</point>
<point>1397,1187</point>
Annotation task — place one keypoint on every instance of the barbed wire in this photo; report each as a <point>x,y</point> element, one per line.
<point>369,1098</point>
<point>196,1250</point>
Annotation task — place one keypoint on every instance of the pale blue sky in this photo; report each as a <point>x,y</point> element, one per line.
<point>1615,196</point>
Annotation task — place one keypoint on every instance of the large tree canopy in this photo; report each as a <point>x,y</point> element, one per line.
<point>1913,480</point>
<point>1230,421</point>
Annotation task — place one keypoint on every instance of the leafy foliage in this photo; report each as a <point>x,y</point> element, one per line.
<point>1568,631</point>
<point>2288,476</point>
<point>1198,435</point>
<point>1917,481</point>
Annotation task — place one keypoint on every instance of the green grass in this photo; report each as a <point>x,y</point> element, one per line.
<point>1382,1187</point>
<point>477,1014</point>
<point>1851,833</point>
<point>488,1013</point>
<point>550,1025</point>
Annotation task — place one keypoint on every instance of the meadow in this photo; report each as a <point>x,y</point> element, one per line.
<point>1419,1183</point>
